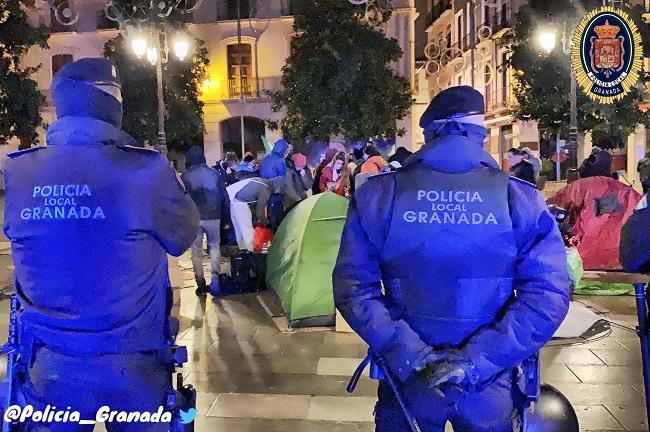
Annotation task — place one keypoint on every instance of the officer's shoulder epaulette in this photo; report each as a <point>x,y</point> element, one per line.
<point>18,153</point>
<point>142,150</point>
<point>524,182</point>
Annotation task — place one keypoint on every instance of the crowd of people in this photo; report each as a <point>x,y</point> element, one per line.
<point>236,196</point>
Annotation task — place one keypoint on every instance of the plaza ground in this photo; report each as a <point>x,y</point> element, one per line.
<point>252,378</point>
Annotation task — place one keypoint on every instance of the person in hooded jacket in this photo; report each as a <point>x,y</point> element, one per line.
<point>336,176</point>
<point>273,169</point>
<point>430,260</point>
<point>299,180</point>
<point>91,219</point>
<point>208,190</point>
<point>598,164</point>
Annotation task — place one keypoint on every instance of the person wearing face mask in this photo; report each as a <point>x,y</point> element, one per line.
<point>455,275</point>
<point>519,167</point>
<point>336,176</point>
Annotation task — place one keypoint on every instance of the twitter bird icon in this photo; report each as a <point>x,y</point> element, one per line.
<point>187,417</point>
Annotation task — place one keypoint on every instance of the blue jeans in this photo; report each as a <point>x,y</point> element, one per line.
<point>211,229</point>
<point>490,410</point>
<point>123,382</point>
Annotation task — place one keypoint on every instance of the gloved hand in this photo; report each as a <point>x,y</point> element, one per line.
<point>434,358</point>
<point>449,368</point>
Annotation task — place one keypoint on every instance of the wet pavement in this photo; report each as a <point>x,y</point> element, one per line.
<point>251,377</point>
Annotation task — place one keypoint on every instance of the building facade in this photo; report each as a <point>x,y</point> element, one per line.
<point>451,59</point>
<point>267,29</point>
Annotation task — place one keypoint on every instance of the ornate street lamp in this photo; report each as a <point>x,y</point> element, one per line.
<point>143,24</point>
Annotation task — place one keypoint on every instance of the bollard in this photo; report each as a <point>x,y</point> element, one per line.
<point>642,330</point>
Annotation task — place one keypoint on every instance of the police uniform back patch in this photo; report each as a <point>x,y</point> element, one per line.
<point>450,207</point>
<point>62,202</point>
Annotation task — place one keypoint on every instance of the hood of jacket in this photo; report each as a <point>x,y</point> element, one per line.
<point>79,131</point>
<point>194,156</point>
<point>280,147</point>
<point>453,154</point>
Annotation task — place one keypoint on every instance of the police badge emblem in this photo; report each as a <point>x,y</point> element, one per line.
<point>607,57</point>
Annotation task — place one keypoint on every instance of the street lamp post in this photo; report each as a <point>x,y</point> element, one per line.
<point>156,50</point>
<point>547,39</point>
<point>242,101</point>
<point>144,25</point>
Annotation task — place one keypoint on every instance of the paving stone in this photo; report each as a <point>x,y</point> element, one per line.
<point>557,372</point>
<point>599,394</point>
<point>608,374</point>
<point>570,356</point>
<point>261,406</point>
<point>619,358</point>
<point>291,384</point>
<point>336,408</point>
<point>216,424</point>
<point>339,366</point>
<point>631,417</point>
<point>592,417</point>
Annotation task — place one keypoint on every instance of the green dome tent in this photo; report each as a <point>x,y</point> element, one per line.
<point>302,257</point>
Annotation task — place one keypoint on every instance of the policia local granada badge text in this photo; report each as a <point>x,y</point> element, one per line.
<point>607,57</point>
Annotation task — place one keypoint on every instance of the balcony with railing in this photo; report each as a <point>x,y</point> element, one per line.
<point>497,101</point>
<point>498,20</point>
<point>249,87</point>
<point>439,8</point>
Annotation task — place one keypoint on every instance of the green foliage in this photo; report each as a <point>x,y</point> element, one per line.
<point>181,81</point>
<point>20,98</point>
<point>543,84</point>
<point>338,78</point>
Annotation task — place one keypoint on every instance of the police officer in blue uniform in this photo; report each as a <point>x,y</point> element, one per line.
<point>91,219</point>
<point>473,270</point>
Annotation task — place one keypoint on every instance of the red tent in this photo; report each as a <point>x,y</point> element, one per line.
<point>598,208</point>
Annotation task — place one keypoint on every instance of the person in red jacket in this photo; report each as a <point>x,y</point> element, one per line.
<point>336,176</point>
<point>598,209</point>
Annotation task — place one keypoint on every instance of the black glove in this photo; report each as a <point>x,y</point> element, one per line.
<point>450,369</point>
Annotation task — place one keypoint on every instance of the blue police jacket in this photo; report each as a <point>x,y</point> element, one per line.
<point>469,259</point>
<point>90,222</point>
<point>273,165</point>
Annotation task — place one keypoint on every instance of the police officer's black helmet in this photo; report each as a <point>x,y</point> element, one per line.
<point>552,413</point>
